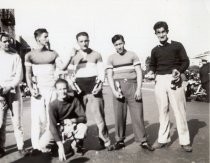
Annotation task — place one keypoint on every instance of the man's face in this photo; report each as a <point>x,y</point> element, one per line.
<point>4,43</point>
<point>161,34</point>
<point>83,42</point>
<point>61,89</point>
<point>43,39</point>
<point>119,46</point>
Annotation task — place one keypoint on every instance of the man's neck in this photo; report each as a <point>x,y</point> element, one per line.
<point>41,47</point>
<point>123,52</point>
<point>88,51</point>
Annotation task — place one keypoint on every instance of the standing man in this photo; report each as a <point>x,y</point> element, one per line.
<point>40,66</point>
<point>168,61</point>
<point>89,71</point>
<point>205,77</point>
<point>125,79</point>
<point>11,75</point>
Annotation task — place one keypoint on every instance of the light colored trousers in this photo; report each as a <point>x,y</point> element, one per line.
<point>96,105</point>
<point>16,117</point>
<point>176,98</point>
<point>40,115</point>
<point>79,133</point>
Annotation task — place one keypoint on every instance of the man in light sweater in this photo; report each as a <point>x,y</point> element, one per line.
<point>89,75</point>
<point>41,64</point>
<point>125,79</point>
<point>11,75</point>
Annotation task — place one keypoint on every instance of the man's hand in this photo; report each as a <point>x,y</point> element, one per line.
<point>96,90</point>
<point>150,75</point>
<point>118,94</point>
<point>73,52</point>
<point>61,153</point>
<point>6,89</point>
<point>68,122</point>
<point>175,74</point>
<point>34,93</point>
<point>137,95</point>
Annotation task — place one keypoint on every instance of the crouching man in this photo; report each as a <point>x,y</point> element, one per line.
<point>67,121</point>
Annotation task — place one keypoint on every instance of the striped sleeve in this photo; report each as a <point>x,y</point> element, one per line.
<point>28,60</point>
<point>136,60</point>
<point>109,63</point>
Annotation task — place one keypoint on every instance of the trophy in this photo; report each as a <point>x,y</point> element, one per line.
<point>34,85</point>
<point>118,87</point>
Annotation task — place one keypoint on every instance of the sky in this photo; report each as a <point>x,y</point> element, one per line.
<point>188,22</point>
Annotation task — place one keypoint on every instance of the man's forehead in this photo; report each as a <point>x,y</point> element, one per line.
<point>43,34</point>
<point>119,41</point>
<point>160,29</point>
<point>83,37</point>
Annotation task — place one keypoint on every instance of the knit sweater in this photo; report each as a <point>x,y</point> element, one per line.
<point>61,110</point>
<point>10,69</point>
<point>167,57</point>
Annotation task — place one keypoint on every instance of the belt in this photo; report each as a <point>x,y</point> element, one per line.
<point>126,80</point>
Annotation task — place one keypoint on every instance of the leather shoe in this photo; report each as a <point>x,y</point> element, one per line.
<point>2,153</point>
<point>118,145</point>
<point>159,145</point>
<point>187,148</point>
<point>147,146</point>
<point>23,152</point>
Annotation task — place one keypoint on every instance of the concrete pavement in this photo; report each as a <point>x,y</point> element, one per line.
<point>198,121</point>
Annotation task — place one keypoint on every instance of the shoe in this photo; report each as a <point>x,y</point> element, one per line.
<point>118,145</point>
<point>159,145</point>
<point>109,147</point>
<point>2,152</point>
<point>187,148</point>
<point>80,151</point>
<point>101,142</point>
<point>35,152</point>
<point>23,152</point>
<point>147,146</point>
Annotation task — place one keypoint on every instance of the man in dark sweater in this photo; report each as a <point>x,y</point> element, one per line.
<point>205,78</point>
<point>67,121</point>
<point>168,61</point>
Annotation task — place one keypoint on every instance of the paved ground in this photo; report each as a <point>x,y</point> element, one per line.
<point>198,121</point>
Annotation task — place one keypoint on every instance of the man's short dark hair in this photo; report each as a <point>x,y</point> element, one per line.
<point>82,34</point>
<point>117,37</point>
<point>39,32</point>
<point>160,24</point>
<point>61,81</point>
<point>3,35</point>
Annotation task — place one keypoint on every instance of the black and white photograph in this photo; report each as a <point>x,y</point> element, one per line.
<point>104,81</point>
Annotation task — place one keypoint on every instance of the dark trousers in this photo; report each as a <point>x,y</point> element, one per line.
<point>136,111</point>
<point>206,86</point>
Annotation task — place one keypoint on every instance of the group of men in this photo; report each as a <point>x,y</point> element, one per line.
<point>57,116</point>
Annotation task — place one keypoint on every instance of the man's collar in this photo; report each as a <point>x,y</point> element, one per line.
<point>168,41</point>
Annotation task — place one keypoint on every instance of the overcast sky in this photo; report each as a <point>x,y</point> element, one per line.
<point>188,22</point>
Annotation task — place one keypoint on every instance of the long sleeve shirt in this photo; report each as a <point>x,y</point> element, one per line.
<point>61,110</point>
<point>11,73</point>
<point>167,57</point>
